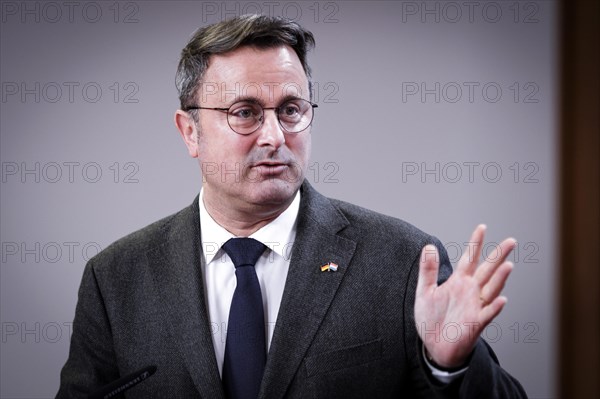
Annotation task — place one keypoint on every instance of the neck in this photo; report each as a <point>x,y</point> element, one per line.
<point>244,219</point>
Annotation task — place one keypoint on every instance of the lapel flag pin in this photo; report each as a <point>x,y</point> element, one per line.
<point>329,267</point>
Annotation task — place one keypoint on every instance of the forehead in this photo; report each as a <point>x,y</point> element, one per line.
<point>267,74</point>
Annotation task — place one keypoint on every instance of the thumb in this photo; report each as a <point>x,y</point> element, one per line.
<point>428,269</point>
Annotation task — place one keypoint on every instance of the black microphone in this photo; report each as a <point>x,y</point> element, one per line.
<point>122,384</point>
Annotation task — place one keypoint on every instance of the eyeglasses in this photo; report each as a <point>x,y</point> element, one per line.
<point>246,117</point>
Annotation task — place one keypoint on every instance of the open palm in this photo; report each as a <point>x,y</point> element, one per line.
<point>450,317</point>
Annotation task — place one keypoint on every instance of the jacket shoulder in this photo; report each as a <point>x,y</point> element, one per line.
<point>130,247</point>
<point>366,220</point>
<point>383,234</point>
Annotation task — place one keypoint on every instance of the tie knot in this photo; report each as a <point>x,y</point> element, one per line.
<point>244,251</point>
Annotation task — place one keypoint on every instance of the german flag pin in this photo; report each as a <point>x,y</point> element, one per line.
<point>329,267</point>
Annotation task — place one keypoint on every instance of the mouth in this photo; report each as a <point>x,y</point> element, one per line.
<point>271,168</point>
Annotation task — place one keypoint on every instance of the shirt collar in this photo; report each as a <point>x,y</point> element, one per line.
<point>279,234</point>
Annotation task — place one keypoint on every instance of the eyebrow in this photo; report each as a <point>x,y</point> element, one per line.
<point>249,99</point>
<point>255,100</point>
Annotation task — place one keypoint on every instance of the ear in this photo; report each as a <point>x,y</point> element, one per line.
<point>189,133</point>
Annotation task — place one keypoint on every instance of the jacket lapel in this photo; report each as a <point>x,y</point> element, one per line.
<point>177,275</point>
<point>308,291</point>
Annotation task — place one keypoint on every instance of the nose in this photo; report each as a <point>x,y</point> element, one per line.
<point>270,132</point>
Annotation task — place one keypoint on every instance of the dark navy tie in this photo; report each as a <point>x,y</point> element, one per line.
<point>245,348</point>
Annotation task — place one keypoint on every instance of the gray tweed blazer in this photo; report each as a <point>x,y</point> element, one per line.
<point>344,334</point>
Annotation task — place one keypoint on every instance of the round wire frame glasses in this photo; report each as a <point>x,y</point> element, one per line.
<point>245,117</point>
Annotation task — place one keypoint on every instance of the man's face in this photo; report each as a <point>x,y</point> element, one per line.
<point>265,167</point>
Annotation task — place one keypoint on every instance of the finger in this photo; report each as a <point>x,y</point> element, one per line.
<point>489,312</point>
<point>428,270</point>
<point>494,260</point>
<point>470,257</point>
<point>496,283</point>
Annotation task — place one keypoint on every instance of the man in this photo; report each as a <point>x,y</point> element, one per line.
<point>352,300</point>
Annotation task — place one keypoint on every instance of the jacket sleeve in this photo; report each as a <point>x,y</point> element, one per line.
<point>91,362</point>
<point>484,377</point>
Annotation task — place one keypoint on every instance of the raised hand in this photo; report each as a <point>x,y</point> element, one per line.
<point>450,317</point>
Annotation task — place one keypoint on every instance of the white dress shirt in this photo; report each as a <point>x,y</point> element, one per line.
<point>271,268</point>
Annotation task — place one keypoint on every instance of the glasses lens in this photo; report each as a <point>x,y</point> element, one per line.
<point>295,115</point>
<point>245,117</point>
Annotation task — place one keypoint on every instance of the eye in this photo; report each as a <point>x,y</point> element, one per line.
<point>245,111</point>
<point>290,111</point>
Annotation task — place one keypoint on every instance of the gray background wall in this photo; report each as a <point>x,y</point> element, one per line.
<point>440,113</point>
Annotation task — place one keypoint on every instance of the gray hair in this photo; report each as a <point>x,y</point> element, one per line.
<point>247,30</point>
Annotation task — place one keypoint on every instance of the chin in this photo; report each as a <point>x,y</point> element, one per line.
<point>274,191</point>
